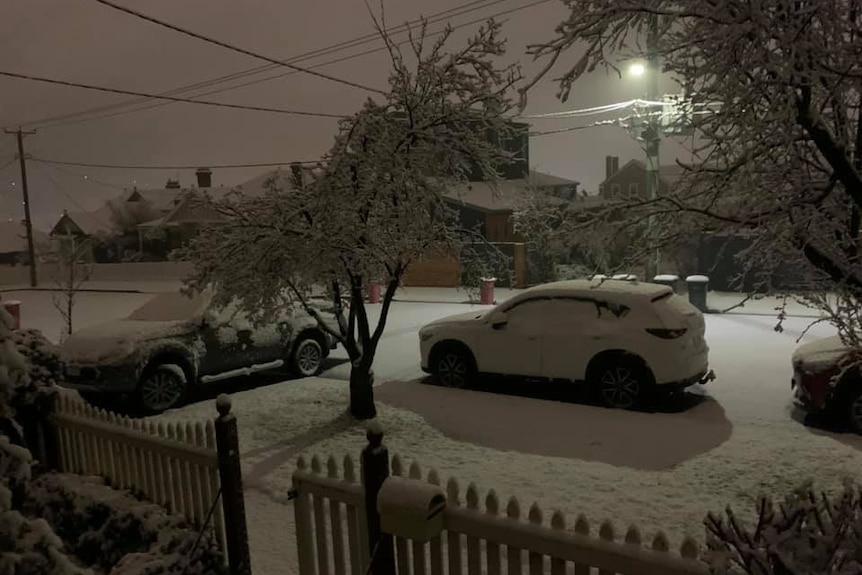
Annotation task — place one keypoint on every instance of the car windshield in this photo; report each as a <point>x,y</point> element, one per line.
<point>172,306</point>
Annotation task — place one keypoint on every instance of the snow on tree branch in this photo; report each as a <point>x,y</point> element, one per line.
<point>376,204</point>
<point>777,152</point>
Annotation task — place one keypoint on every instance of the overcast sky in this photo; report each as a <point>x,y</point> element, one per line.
<point>86,42</point>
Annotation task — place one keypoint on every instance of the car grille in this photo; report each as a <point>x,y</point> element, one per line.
<point>82,373</point>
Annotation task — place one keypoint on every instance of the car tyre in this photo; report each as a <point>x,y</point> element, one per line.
<point>162,387</point>
<point>453,367</point>
<point>620,382</point>
<point>307,359</point>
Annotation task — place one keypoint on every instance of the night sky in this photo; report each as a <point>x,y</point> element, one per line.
<point>83,41</point>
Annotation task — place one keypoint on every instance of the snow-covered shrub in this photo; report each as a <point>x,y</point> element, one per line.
<point>30,547</point>
<point>809,534</point>
<point>116,533</point>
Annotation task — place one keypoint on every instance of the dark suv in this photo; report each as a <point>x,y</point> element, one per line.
<point>174,342</point>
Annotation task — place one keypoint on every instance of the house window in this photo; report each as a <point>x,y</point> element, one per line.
<point>615,190</point>
<point>633,189</point>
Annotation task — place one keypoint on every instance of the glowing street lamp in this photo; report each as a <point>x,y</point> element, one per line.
<point>637,69</point>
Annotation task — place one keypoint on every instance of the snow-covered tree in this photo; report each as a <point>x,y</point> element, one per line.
<point>375,205</point>
<point>777,142</point>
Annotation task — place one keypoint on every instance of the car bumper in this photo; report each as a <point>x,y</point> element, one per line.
<point>101,379</point>
<point>702,378</point>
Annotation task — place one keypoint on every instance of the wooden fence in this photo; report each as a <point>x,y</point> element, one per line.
<point>333,526</point>
<point>177,465</point>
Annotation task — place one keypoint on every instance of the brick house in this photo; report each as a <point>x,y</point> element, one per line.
<point>630,180</point>
<point>486,209</point>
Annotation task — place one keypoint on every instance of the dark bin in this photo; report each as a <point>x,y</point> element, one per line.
<point>667,280</point>
<point>697,288</point>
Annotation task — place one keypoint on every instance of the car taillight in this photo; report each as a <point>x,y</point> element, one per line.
<point>667,333</point>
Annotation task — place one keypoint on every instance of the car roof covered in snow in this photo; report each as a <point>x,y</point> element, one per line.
<point>617,290</point>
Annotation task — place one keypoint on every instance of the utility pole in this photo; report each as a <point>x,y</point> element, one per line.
<point>28,224</point>
<point>652,136</point>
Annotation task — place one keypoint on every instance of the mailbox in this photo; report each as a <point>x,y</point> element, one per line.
<point>411,509</point>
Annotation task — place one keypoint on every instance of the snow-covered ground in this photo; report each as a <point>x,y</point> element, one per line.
<point>658,470</point>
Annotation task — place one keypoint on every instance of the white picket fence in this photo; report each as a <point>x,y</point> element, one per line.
<point>173,465</point>
<point>332,536</point>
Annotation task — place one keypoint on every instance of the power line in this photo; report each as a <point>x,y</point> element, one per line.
<point>284,74</point>
<point>326,50</point>
<point>235,48</point>
<point>614,122</point>
<point>160,167</point>
<point>171,98</point>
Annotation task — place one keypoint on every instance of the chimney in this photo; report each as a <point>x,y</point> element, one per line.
<point>172,184</point>
<point>205,177</point>
<point>612,166</point>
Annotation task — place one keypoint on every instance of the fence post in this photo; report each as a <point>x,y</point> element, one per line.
<point>375,470</point>
<point>230,474</point>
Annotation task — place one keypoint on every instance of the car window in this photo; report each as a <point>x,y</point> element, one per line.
<point>173,306</point>
<point>611,310</point>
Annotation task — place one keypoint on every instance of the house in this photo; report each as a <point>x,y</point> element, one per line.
<point>187,214</point>
<point>630,180</point>
<point>13,243</point>
<point>488,208</point>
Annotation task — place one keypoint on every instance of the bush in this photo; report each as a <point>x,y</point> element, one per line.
<point>809,535</point>
<point>116,533</point>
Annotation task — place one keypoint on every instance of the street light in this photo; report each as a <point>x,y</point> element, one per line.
<point>637,69</point>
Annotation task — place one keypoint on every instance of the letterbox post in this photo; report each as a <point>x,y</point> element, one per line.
<point>375,470</point>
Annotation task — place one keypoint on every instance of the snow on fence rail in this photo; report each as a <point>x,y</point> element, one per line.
<point>174,465</point>
<point>475,541</point>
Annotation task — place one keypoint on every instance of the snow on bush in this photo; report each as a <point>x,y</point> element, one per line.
<point>117,534</point>
<point>810,534</point>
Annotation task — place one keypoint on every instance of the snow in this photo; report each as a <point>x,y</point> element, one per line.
<point>662,470</point>
<point>666,278</point>
<point>172,306</point>
<point>243,371</point>
<point>114,341</point>
<point>697,279</point>
<point>820,355</point>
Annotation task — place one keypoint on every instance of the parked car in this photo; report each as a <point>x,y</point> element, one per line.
<point>173,343</point>
<point>826,383</point>
<point>623,338</point>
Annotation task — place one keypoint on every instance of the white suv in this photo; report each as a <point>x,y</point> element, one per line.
<point>624,339</point>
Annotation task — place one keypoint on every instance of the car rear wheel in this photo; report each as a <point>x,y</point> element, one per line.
<point>162,387</point>
<point>620,382</point>
<point>307,357</point>
<point>453,367</point>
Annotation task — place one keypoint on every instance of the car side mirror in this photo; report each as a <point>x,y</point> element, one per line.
<point>498,319</point>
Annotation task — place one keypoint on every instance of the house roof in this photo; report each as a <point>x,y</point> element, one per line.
<point>13,237</point>
<point>161,200</point>
<point>96,222</point>
<point>541,179</point>
<point>669,173</point>
<point>485,197</point>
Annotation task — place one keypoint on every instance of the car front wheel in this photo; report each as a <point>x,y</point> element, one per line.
<point>453,367</point>
<point>307,357</point>
<point>162,387</point>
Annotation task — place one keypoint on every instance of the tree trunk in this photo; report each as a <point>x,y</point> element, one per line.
<point>362,390</point>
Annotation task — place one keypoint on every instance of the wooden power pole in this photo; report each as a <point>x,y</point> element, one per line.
<point>28,223</point>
